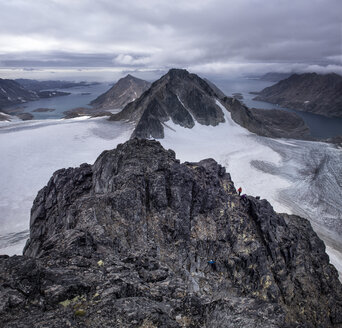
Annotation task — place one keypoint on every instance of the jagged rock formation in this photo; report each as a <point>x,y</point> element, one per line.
<point>178,95</point>
<point>310,92</point>
<point>123,92</point>
<point>126,243</point>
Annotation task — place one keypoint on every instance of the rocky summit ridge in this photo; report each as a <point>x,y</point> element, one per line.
<point>126,242</point>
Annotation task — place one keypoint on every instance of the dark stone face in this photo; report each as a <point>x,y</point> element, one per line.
<point>12,92</point>
<point>187,100</point>
<point>126,243</point>
<point>123,92</point>
<point>310,92</point>
<point>178,96</point>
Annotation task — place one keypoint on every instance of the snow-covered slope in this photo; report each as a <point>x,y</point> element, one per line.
<point>31,152</point>
<point>297,177</point>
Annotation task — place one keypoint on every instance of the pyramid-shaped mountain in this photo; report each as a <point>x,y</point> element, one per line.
<point>123,92</point>
<point>178,95</point>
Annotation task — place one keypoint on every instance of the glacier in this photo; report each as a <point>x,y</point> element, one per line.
<point>297,177</point>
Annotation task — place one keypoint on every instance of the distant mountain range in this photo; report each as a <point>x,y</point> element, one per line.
<point>123,92</point>
<point>309,92</point>
<point>186,99</point>
<point>274,76</point>
<point>12,92</point>
<point>36,85</point>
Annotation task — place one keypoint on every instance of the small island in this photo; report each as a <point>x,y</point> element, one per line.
<point>43,110</point>
<point>237,95</point>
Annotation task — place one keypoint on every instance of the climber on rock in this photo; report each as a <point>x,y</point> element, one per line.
<point>240,190</point>
<point>212,263</point>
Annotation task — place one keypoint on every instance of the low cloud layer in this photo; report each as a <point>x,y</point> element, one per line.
<point>204,35</point>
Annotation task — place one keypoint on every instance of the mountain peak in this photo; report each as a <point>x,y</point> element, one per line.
<point>123,92</point>
<point>139,239</point>
<point>179,96</point>
<point>130,77</point>
<point>178,72</point>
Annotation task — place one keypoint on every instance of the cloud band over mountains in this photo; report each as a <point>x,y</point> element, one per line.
<point>202,34</point>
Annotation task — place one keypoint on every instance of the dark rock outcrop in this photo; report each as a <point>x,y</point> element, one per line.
<point>12,93</point>
<point>273,123</point>
<point>335,141</point>
<point>25,116</point>
<point>178,95</point>
<point>126,243</point>
<point>310,92</point>
<point>43,110</point>
<point>123,92</point>
<point>85,111</point>
<point>5,117</point>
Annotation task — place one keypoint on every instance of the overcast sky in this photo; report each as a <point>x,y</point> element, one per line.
<point>212,37</point>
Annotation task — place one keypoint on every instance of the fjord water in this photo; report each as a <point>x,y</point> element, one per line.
<point>79,96</point>
<point>278,170</point>
<point>320,126</point>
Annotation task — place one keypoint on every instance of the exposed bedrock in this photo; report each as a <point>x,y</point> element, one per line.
<point>126,243</point>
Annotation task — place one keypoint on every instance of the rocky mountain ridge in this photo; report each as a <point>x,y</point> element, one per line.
<point>37,85</point>
<point>274,76</point>
<point>309,92</point>
<point>123,92</point>
<point>12,92</point>
<point>186,99</point>
<point>267,123</point>
<point>178,95</point>
<point>126,242</point>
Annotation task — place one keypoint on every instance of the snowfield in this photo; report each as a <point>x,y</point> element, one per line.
<point>297,177</point>
<point>32,151</point>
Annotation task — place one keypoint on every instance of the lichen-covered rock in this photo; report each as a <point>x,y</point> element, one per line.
<point>126,243</point>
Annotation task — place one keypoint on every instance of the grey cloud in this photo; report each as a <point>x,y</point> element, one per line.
<point>161,34</point>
